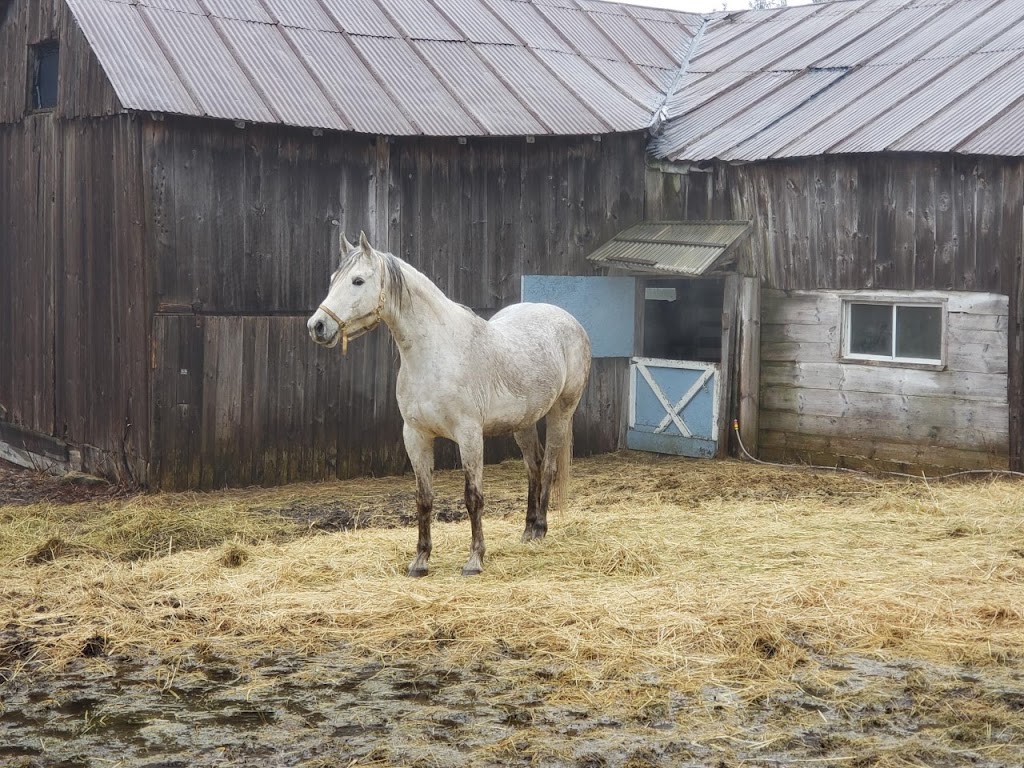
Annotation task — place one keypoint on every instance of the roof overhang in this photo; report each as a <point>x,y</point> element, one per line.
<point>677,248</point>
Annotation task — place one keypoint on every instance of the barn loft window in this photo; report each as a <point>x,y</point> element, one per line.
<point>44,61</point>
<point>894,331</point>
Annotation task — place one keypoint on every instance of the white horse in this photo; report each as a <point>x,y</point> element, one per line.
<point>462,378</point>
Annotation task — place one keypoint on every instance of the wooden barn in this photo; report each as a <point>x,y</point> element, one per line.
<point>809,219</point>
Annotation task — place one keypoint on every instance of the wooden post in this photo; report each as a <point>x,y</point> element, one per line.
<point>749,361</point>
<point>728,370</point>
<point>1015,377</point>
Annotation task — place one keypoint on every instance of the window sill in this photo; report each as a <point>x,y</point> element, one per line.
<point>880,363</point>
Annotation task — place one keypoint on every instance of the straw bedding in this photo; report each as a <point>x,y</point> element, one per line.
<point>663,578</point>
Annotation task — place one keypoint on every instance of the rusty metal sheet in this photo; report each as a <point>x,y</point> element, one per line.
<point>197,50</point>
<point>360,17</point>
<point>494,106</point>
<point>977,106</point>
<point>528,24</point>
<point>630,37</point>
<point>421,95</point>
<point>283,80</point>
<point>360,98</point>
<point>140,74</point>
<point>533,84</point>
<point>476,21</point>
<point>613,106</point>
<point>924,103</point>
<point>242,10</point>
<point>419,20</point>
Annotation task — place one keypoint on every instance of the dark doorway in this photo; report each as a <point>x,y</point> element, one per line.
<point>683,319</point>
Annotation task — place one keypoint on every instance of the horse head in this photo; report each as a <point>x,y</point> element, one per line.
<point>355,298</point>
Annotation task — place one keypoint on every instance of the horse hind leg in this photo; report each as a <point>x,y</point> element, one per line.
<point>471,452</point>
<point>533,457</point>
<point>554,477</point>
<point>421,453</point>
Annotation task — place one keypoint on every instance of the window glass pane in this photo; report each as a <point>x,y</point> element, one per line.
<point>919,332</point>
<point>871,329</point>
<point>44,85</point>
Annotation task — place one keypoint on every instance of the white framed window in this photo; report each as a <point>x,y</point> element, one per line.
<point>897,331</point>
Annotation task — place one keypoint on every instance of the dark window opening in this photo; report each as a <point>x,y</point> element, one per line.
<point>683,320</point>
<point>44,64</point>
<point>902,332</point>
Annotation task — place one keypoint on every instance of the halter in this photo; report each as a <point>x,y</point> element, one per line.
<point>377,316</point>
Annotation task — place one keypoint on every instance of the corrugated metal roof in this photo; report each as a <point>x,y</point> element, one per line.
<point>925,76</point>
<point>437,67</point>
<point>689,248</point>
<point>852,76</point>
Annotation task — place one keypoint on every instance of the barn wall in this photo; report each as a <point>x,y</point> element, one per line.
<point>73,294</point>
<point>816,408</point>
<point>903,222</point>
<point>244,228</point>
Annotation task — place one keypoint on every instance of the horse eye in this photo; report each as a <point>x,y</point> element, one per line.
<point>357,281</point>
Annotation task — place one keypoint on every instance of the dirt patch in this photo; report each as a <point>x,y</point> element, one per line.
<point>25,486</point>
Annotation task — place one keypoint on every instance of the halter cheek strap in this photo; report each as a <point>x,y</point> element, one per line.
<point>343,325</point>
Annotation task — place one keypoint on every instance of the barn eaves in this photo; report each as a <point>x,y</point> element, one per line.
<point>678,248</point>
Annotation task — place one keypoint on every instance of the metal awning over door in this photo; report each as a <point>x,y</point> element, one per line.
<point>676,248</point>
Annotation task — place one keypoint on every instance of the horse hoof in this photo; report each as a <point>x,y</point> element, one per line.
<point>533,535</point>
<point>417,573</point>
<point>471,571</point>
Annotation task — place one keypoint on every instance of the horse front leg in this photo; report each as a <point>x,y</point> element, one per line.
<point>420,448</point>
<point>533,456</point>
<point>471,451</point>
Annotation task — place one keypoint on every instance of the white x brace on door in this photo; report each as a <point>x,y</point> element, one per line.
<point>673,407</point>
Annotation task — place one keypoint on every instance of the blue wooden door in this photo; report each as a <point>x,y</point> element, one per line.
<point>673,407</point>
<point>605,307</point>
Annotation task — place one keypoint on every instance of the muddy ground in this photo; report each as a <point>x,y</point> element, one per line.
<point>335,708</point>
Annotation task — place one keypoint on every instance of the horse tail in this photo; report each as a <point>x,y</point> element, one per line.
<point>563,471</point>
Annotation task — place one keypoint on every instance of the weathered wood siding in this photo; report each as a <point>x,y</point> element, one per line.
<point>817,408</point>
<point>900,222</point>
<point>74,313</point>
<point>244,228</point>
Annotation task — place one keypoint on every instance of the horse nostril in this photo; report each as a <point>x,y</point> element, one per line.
<point>319,328</point>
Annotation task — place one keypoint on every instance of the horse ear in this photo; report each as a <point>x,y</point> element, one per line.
<point>346,246</point>
<point>365,244</point>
